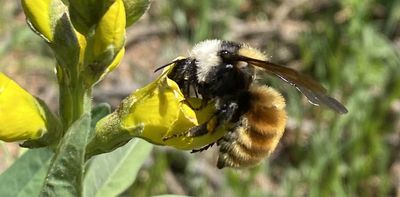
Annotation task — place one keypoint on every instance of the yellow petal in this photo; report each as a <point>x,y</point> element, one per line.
<point>38,13</point>
<point>43,15</point>
<point>155,108</point>
<point>20,114</point>
<point>82,43</point>
<point>110,32</point>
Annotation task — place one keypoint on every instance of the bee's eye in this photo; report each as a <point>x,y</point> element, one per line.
<point>225,54</point>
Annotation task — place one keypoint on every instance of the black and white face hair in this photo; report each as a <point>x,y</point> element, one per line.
<point>208,57</point>
<point>206,73</point>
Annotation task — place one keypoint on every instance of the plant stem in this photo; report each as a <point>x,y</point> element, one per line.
<point>75,100</point>
<point>65,174</point>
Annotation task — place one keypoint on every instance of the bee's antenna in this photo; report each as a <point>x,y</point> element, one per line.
<point>163,66</point>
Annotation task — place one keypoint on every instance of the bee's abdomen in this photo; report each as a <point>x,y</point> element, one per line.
<point>258,131</point>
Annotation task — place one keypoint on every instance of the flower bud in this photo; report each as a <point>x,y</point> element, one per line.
<point>22,116</point>
<point>135,9</point>
<point>42,15</point>
<point>85,14</point>
<point>107,45</point>
<point>110,32</point>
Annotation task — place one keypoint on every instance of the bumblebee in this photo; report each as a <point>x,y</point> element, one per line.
<point>254,115</point>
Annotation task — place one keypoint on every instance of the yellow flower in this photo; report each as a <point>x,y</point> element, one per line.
<point>158,110</point>
<point>21,115</point>
<point>154,112</point>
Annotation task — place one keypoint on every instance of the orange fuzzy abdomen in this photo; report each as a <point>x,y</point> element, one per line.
<point>257,133</point>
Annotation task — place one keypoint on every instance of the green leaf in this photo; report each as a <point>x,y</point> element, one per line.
<point>65,175</point>
<point>134,9</point>
<point>26,176</point>
<point>65,45</point>
<point>99,112</point>
<point>112,173</point>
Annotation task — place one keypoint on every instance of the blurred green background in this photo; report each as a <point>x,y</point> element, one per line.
<point>352,47</point>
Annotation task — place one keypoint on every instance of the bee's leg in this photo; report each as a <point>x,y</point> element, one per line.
<point>186,92</point>
<point>203,104</point>
<point>185,88</point>
<point>208,127</point>
<point>193,107</point>
<point>225,113</point>
<point>202,148</point>
<point>196,92</point>
<point>228,112</point>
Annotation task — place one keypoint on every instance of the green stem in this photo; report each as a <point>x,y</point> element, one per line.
<point>75,100</point>
<point>65,173</point>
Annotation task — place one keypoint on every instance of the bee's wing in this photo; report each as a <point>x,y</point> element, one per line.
<point>315,93</point>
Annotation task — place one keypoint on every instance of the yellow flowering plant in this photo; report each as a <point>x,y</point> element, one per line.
<point>87,38</point>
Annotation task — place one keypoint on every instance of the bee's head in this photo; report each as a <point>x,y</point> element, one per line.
<point>214,55</point>
<point>218,67</point>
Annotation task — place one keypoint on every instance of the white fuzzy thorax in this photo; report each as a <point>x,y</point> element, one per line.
<point>205,53</point>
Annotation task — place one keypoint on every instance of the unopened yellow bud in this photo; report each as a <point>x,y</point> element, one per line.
<point>110,32</point>
<point>43,15</point>
<point>21,116</point>
<point>107,44</point>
